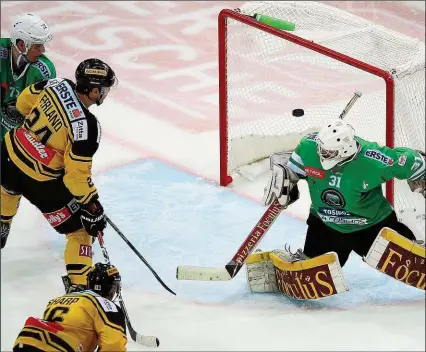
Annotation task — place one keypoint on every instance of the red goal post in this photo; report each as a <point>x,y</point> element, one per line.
<point>249,49</point>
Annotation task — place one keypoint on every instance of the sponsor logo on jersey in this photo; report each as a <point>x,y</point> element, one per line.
<point>310,171</point>
<point>58,217</point>
<point>79,130</point>
<point>418,162</point>
<point>85,251</point>
<point>333,198</point>
<point>334,212</point>
<point>106,304</point>
<point>43,68</point>
<point>343,220</point>
<point>76,113</point>
<point>3,53</point>
<point>378,155</point>
<point>73,206</point>
<point>36,149</point>
<point>312,136</point>
<point>402,160</point>
<point>69,101</point>
<point>53,82</point>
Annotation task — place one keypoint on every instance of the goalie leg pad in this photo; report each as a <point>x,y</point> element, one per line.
<point>398,257</point>
<point>261,273</point>
<point>313,278</point>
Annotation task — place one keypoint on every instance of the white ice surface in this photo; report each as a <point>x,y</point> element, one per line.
<point>174,219</point>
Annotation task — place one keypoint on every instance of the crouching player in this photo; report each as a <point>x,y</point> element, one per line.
<point>80,321</point>
<point>348,213</point>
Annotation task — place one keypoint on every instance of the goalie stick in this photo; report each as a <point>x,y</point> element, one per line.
<point>235,264</point>
<point>149,341</point>
<point>199,273</point>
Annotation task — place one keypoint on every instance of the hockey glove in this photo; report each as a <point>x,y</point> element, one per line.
<point>12,117</point>
<point>4,233</point>
<point>93,218</point>
<point>418,186</point>
<point>281,186</point>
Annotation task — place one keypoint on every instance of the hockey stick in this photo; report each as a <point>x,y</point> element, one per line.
<point>138,254</point>
<point>235,264</point>
<point>357,95</point>
<point>149,341</point>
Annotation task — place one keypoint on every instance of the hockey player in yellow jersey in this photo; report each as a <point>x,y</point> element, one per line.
<point>48,161</point>
<point>80,321</point>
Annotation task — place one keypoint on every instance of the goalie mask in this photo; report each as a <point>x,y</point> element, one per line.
<point>336,144</point>
<point>105,280</point>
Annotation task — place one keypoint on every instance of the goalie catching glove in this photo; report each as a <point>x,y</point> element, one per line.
<point>282,182</point>
<point>93,217</point>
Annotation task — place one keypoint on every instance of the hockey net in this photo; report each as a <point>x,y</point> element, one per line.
<point>265,73</point>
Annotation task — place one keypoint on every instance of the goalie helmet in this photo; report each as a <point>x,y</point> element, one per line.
<point>31,29</point>
<point>336,143</point>
<point>105,280</point>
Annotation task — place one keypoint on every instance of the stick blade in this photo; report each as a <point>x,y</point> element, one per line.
<point>149,341</point>
<point>200,273</point>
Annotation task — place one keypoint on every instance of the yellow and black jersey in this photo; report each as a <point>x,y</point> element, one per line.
<point>77,322</point>
<point>58,138</point>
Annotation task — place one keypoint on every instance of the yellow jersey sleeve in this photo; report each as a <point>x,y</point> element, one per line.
<point>110,325</point>
<point>29,97</point>
<point>78,159</point>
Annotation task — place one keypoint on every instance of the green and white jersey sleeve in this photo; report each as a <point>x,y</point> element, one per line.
<point>349,197</point>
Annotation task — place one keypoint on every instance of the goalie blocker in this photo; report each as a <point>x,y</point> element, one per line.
<point>319,277</point>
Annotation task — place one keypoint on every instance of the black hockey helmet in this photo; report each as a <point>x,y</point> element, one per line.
<point>94,73</point>
<point>105,280</point>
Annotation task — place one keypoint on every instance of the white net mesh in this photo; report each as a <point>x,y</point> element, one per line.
<point>268,77</point>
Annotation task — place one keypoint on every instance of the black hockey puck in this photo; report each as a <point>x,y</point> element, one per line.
<point>298,112</point>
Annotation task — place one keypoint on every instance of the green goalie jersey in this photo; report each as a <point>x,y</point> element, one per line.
<point>349,197</point>
<point>12,85</point>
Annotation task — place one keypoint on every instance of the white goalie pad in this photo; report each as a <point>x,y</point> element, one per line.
<point>398,257</point>
<point>261,273</point>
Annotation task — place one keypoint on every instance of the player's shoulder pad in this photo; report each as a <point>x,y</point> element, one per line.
<point>108,309</point>
<point>307,143</point>
<point>42,85</point>
<point>44,67</point>
<point>380,156</point>
<point>106,304</point>
<point>87,134</point>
